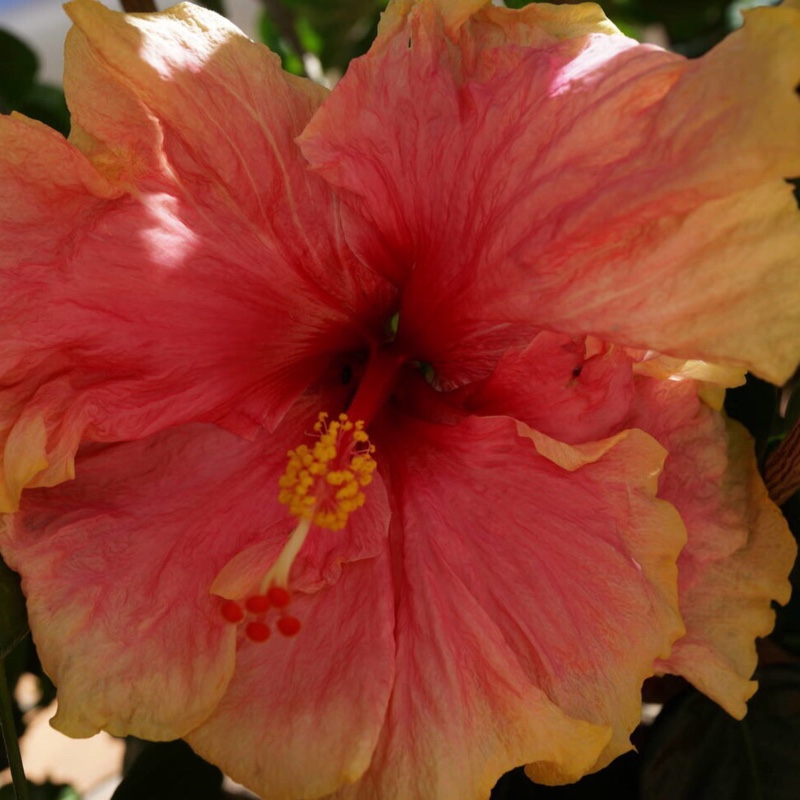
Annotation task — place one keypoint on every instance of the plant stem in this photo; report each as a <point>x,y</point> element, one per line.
<point>10,737</point>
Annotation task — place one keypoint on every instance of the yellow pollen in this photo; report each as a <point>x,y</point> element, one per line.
<point>323,483</point>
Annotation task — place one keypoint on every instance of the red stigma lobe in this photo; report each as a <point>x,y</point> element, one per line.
<point>289,626</point>
<point>257,631</point>
<point>279,597</point>
<point>232,611</point>
<point>257,604</point>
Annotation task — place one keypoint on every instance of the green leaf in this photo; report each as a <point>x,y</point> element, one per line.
<point>698,751</point>
<point>18,72</point>
<point>19,90</point>
<point>335,32</point>
<point>43,791</point>
<point>309,38</point>
<point>170,770</point>
<point>47,104</point>
<point>271,37</point>
<point>13,619</point>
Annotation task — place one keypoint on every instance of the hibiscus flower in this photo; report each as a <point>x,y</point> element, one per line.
<point>486,294</point>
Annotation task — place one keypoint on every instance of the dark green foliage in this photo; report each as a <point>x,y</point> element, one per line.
<point>287,47</point>
<point>43,791</point>
<point>693,26</point>
<point>697,751</point>
<point>47,104</point>
<point>18,71</point>
<point>333,32</point>
<point>20,91</point>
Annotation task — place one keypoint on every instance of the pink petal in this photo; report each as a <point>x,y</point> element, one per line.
<point>532,599</point>
<point>535,167</point>
<point>131,549</point>
<point>183,272</point>
<point>302,716</point>
<point>739,550</point>
<point>558,386</point>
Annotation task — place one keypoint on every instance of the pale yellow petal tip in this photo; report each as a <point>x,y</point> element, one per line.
<point>738,709</point>
<point>454,13</point>
<point>87,14</point>
<point>571,21</point>
<point>70,725</point>
<point>23,459</point>
<point>573,759</point>
<point>9,499</point>
<point>562,21</point>
<point>83,10</point>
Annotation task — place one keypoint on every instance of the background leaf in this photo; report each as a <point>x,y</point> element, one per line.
<point>697,751</point>
<point>43,791</point>
<point>47,104</point>
<point>18,72</point>
<point>20,91</point>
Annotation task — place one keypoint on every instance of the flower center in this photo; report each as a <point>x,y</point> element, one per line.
<point>323,484</point>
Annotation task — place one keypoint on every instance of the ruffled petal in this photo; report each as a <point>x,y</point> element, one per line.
<point>453,13</point>
<point>172,263</point>
<point>301,717</point>
<point>711,380</point>
<point>539,167</point>
<point>131,550</point>
<point>535,584</point>
<point>571,389</point>
<point>739,551</point>
<point>122,554</point>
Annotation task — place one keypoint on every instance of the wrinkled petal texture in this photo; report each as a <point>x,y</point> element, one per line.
<point>176,283</point>
<point>739,550</point>
<point>532,596</point>
<point>569,388</point>
<point>175,261</point>
<point>130,550</point>
<point>616,212</point>
<point>302,717</point>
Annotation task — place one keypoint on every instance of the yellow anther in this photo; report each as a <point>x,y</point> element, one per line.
<point>323,483</point>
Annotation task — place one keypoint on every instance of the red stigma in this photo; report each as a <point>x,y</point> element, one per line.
<point>232,611</point>
<point>279,597</point>
<point>257,604</point>
<point>258,631</point>
<point>289,626</point>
